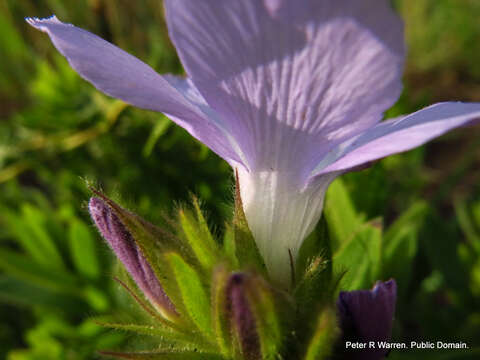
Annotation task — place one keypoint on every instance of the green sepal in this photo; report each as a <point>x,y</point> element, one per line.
<point>267,305</point>
<point>314,288</point>
<point>193,292</point>
<point>314,269</point>
<point>149,330</point>
<point>229,246</point>
<point>174,339</point>
<point>324,336</point>
<point>197,234</point>
<point>220,316</point>
<point>246,248</point>
<point>132,289</point>
<point>360,257</point>
<point>165,355</point>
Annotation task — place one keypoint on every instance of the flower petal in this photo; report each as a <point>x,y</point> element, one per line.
<point>291,77</point>
<point>121,75</point>
<point>281,213</point>
<point>367,315</point>
<point>397,135</point>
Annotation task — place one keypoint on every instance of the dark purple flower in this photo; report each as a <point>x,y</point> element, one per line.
<point>367,316</point>
<point>290,93</point>
<point>124,247</point>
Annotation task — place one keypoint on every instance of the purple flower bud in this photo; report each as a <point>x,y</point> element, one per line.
<point>242,317</point>
<point>125,248</point>
<point>367,315</point>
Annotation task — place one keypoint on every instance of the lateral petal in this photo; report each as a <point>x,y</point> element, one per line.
<point>397,135</point>
<point>121,75</point>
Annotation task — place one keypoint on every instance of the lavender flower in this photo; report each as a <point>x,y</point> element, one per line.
<point>124,247</point>
<point>290,93</point>
<point>367,315</point>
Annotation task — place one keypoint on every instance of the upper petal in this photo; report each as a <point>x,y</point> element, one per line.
<point>397,135</point>
<point>121,75</point>
<point>290,75</point>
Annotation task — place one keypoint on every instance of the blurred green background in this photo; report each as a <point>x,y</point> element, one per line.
<point>56,131</point>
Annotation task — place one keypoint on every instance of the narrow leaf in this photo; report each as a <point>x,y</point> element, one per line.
<point>36,221</point>
<point>83,250</point>
<point>340,213</point>
<point>24,268</point>
<point>360,257</point>
<point>20,293</point>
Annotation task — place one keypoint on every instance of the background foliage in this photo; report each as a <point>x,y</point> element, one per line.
<point>56,131</point>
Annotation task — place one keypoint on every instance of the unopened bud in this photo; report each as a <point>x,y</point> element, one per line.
<point>127,251</point>
<point>242,318</point>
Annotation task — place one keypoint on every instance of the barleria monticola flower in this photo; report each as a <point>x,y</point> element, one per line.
<point>290,93</point>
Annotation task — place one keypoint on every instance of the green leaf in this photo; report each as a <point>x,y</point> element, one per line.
<point>35,219</point>
<point>414,216</point>
<point>360,257</point>
<point>24,268</point>
<point>20,293</point>
<point>83,250</point>
<point>29,230</point>
<point>245,246</point>
<point>324,336</point>
<point>194,295</point>
<point>467,224</point>
<point>340,214</point>
<point>400,244</point>
<point>96,298</point>
<point>160,128</point>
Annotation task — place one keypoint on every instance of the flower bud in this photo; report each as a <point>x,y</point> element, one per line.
<point>367,315</point>
<point>242,317</point>
<point>127,251</point>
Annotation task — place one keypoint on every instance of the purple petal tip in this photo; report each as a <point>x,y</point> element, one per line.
<point>367,315</point>
<point>39,23</point>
